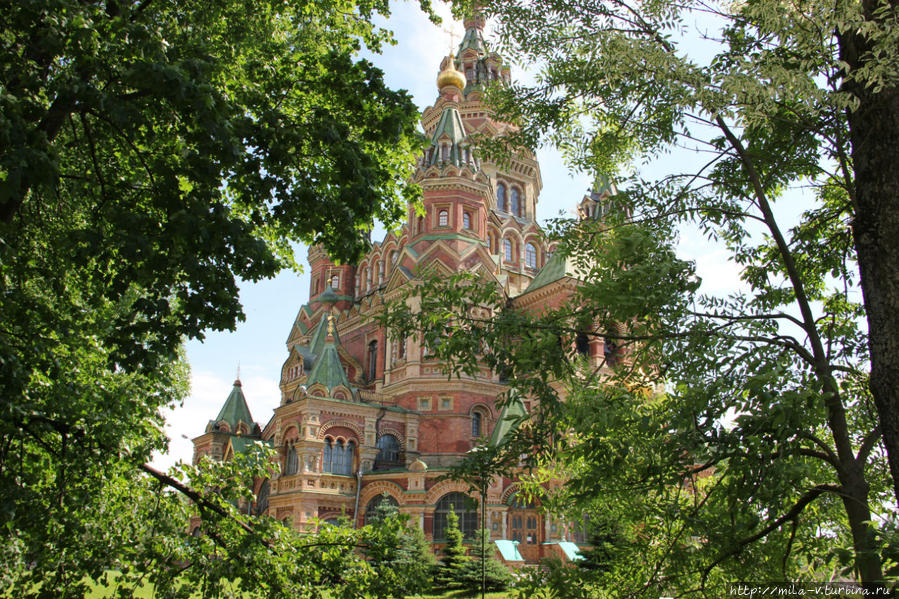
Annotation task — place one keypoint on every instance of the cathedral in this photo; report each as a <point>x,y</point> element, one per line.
<point>366,418</point>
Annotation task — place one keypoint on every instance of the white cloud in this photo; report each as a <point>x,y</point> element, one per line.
<point>208,393</point>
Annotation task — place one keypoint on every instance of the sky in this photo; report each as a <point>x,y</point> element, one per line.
<point>257,346</point>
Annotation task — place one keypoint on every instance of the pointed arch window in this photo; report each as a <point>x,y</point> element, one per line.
<point>516,202</point>
<point>530,255</point>
<point>501,197</point>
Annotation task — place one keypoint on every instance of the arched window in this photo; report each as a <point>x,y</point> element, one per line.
<point>582,344</point>
<point>442,218</point>
<point>328,456</point>
<point>420,224</point>
<point>394,256</point>
<point>339,457</point>
<point>381,272</point>
<point>335,281</point>
<point>477,424</point>
<point>516,202</point>
<point>501,197</point>
<point>388,453</point>
<point>444,152</point>
<point>371,510</point>
<point>373,360</point>
<point>461,505</point>
<point>466,220</point>
<point>530,255</point>
<point>507,250</point>
<point>349,458</point>
<point>290,464</point>
<point>262,498</point>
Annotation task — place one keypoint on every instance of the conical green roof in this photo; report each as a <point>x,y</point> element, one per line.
<point>474,38</point>
<point>512,415</point>
<point>328,369</point>
<point>449,128</point>
<point>235,409</point>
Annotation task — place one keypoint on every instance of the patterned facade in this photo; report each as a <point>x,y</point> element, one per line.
<point>363,415</point>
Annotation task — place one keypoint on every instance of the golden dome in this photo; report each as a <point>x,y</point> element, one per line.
<point>450,76</point>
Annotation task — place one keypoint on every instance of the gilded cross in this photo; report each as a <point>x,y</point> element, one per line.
<point>452,31</point>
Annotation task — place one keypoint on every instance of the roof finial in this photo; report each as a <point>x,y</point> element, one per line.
<point>452,33</point>
<point>237,380</point>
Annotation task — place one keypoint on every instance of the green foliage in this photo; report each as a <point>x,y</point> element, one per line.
<point>453,558</point>
<point>498,577</point>
<point>399,554</point>
<point>152,154</point>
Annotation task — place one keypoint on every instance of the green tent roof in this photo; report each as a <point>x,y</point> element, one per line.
<point>449,126</point>
<point>235,409</point>
<point>473,39</point>
<point>242,444</point>
<point>328,369</point>
<point>512,415</point>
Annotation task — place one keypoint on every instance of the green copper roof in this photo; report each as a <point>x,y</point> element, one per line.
<point>558,267</point>
<point>473,39</point>
<point>512,415</point>
<point>449,128</point>
<point>603,184</point>
<point>242,444</point>
<point>317,343</point>
<point>328,370</point>
<point>235,409</point>
<point>451,125</point>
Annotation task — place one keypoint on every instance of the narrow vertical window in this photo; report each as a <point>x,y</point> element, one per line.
<point>372,360</point>
<point>516,202</point>
<point>476,422</point>
<point>442,218</point>
<point>530,255</point>
<point>335,281</point>
<point>501,197</point>
<point>328,456</point>
<point>507,250</point>
<point>466,220</point>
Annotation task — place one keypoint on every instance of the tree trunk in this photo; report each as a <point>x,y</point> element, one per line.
<point>874,135</point>
<point>864,542</point>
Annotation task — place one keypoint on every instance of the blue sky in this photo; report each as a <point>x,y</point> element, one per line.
<point>257,345</point>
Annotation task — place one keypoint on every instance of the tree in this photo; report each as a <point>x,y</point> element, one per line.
<point>152,154</point>
<point>398,552</point>
<point>716,438</point>
<point>453,558</point>
<point>815,85</point>
<point>498,577</point>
